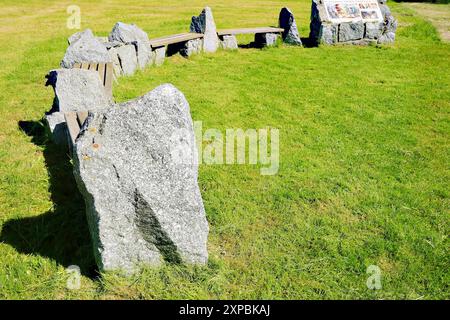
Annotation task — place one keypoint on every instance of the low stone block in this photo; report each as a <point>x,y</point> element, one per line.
<point>373,30</point>
<point>127,58</point>
<point>229,42</point>
<point>351,31</point>
<point>77,90</point>
<point>84,47</point>
<point>159,56</point>
<point>266,39</point>
<point>192,47</point>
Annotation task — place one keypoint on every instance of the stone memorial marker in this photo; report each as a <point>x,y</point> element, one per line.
<point>351,22</point>
<point>135,165</point>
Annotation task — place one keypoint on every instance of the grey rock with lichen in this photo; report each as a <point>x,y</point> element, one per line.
<point>205,24</point>
<point>192,47</point>
<point>151,208</point>
<point>389,30</point>
<point>266,39</point>
<point>127,59</point>
<point>159,55</point>
<point>287,22</point>
<point>77,90</point>
<point>229,42</point>
<point>56,124</point>
<point>84,47</point>
<point>351,31</point>
<point>130,34</point>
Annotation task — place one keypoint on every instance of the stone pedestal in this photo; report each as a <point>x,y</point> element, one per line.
<point>354,22</point>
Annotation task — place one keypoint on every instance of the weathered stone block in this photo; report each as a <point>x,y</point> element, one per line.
<point>287,22</point>
<point>351,31</point>
<point>130,34</point>
<point>127,58</point>
<point>192,47</point>
<point>136,166</point>
<point>84,47</point>
<point>159,56</point>
<point>229,42</point>
<point>266,39</point>
<point>77,90</point>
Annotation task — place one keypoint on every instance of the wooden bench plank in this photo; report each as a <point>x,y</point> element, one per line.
<point>72,126</point>
<point>249,31</point>
<point>101,72</point>
<point>176,38</point>
<point>109,77</point>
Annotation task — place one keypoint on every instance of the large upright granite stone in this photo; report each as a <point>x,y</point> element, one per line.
<point>84,47</point>
<point>287,22</point>
<point>205,24</point>
<point>136,166</point>
<point>77,90</point>
<point>132,34</point>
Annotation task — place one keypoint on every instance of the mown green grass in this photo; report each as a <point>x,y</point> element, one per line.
<point>363,178</point>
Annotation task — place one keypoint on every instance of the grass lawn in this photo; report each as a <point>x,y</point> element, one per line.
<point>364,171</point>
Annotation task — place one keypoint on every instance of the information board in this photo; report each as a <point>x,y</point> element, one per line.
<point>353,10</point>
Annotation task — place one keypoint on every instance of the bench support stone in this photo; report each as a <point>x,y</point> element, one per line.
<point>266,39</point>
<point>229,42</point>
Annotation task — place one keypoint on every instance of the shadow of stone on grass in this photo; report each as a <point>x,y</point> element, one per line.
<point>61,234</point>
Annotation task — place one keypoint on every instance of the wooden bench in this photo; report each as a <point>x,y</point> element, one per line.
<point>105,71</point>
<point>74,122</point>
<point>172,39</point>
<point>232,32</point>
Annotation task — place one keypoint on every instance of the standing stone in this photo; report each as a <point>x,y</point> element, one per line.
<point>229,42</point>
<point>151,208</point>
<point>287,22</point>
<point>205,24</point>
<point>266,39</point>
<point>351,31</point>
<point>77,90</point>
<point>84,47</point>
<point>131,34</point>
<point>192,47</point>
<point>128,59</point>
